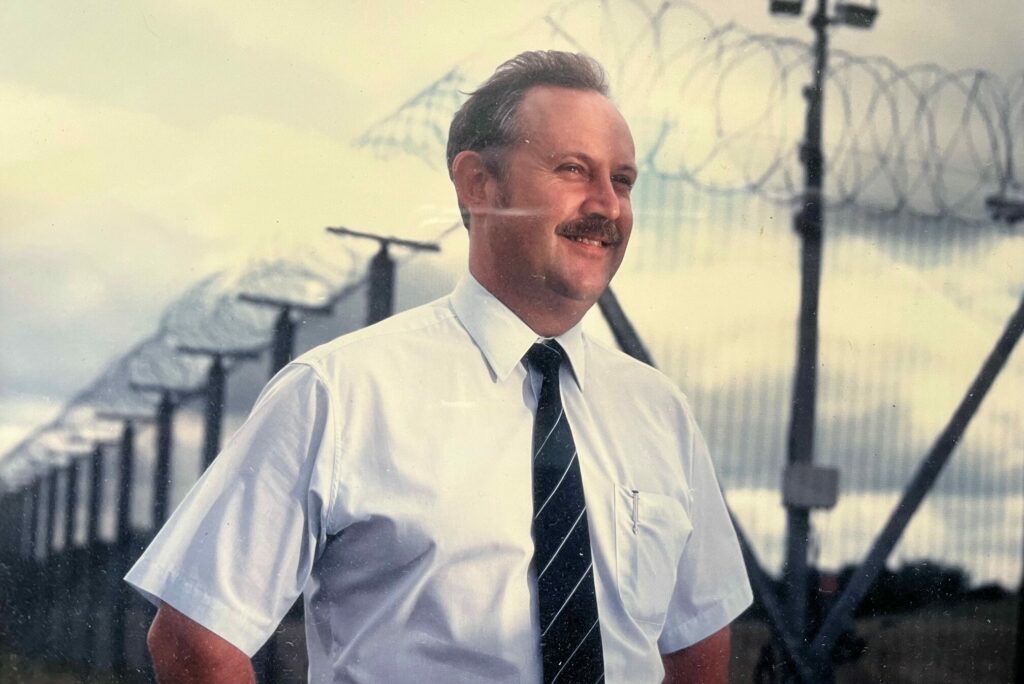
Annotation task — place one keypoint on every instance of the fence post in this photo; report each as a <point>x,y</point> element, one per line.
<point>95,555</point>
<point>381,276</point>
<point>213,416</point>
<point>162,477</point>
<point>284,340</point>
<point>124,546</point>
<point>70,583</point>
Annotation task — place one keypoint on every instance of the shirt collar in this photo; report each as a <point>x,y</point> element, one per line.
<point>503,337</point>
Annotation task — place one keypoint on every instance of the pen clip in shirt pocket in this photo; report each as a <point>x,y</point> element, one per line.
<point>651,531</point>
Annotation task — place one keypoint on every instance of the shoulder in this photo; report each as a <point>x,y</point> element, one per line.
<point>607,365</point>
<point>396,349</point>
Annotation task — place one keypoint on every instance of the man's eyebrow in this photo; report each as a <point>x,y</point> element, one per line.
<point>627,167</point>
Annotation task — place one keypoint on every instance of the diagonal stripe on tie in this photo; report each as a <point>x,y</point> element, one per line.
<point>566,594</point>
<point>554,556</point>
<point>562,575</point>
<point>560,480</point>
<point>587,576</point>
<point>561,518</point>
<point>558,421</point>
<point>576,650</point>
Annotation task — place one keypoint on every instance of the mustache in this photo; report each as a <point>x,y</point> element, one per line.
<point>591,228</point>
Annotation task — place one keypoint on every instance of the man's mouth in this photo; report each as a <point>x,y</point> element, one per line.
<point>588,241</point>
<point>595,232</point>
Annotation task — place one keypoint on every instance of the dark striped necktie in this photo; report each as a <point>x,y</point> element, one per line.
<point>569,626</point>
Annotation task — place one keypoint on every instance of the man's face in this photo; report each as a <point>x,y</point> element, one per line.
<point>561,216</point>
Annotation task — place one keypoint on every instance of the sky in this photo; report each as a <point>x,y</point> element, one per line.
<point>146,145</point>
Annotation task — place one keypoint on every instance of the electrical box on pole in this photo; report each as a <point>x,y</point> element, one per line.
<point>807,486</point>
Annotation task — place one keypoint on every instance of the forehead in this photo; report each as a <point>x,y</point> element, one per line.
<point>585,120</point>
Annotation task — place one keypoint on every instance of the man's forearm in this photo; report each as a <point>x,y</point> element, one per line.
<point>705,662</point>
<point>185,651</point>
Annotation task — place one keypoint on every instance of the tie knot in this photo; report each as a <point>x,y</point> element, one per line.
<point>546,357</point>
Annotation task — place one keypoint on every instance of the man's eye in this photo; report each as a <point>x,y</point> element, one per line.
<point>572,168</point>
<point>624,181</point>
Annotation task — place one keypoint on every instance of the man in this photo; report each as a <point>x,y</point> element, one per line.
<point>472,490</point>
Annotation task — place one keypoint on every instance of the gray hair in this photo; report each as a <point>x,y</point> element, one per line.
<point>487,121</point>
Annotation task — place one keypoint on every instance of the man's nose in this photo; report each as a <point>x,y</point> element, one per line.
<point>602,200</point>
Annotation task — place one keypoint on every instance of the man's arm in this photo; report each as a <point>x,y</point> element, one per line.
<point>705,662</point>
<point>185,651</point>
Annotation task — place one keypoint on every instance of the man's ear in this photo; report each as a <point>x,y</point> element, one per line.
<point>475,185</point>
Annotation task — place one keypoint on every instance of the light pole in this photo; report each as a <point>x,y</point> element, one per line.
<point>806,486</point>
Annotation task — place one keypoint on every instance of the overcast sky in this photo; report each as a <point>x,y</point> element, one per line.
<point>146,144</point>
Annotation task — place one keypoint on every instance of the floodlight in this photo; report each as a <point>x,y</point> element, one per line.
<point>855,15</point>
<point>789,7</point>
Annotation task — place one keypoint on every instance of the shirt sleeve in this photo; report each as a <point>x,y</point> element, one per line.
<point>712,588</point>
<point>236,553</point>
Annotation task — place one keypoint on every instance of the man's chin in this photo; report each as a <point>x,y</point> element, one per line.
<point>583,294</point>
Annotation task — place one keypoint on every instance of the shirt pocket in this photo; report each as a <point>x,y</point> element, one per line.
<point>651,531</point>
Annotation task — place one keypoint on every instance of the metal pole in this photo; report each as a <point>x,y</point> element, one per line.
<point>809,225</point>
<point>1018,659</point>
<point>38,524</point>
<point>29,537</point>
<point>282,345</point>
<point>267,662</point>
<point>8,535</point>
<point>124,545</point>
<point>162,482</point>
<point>51,515</point>
<point>284,340</point>
<point>24,523</point>
<point>623,331</point>
<point>381,303</point>
<point>27,570</point>
<point>11,516</point>
<point>765,593</point>
<point>382,270</point>
<point>71,473</point>
<point>92,537</point>
<point>919,486</point>
<point>32,514</point>
<point>94,559</point>
<point>126,455</point>
<point>50,577</point>
<point>38,569</point>
<point>214,410</point>
<point>69,603</point>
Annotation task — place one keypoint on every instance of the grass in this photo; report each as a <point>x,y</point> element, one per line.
<point>973,643</point>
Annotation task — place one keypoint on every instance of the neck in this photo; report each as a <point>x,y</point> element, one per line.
<point>547,314</point>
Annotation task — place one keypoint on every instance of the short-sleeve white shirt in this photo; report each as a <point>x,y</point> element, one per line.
<point>386,476</point>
